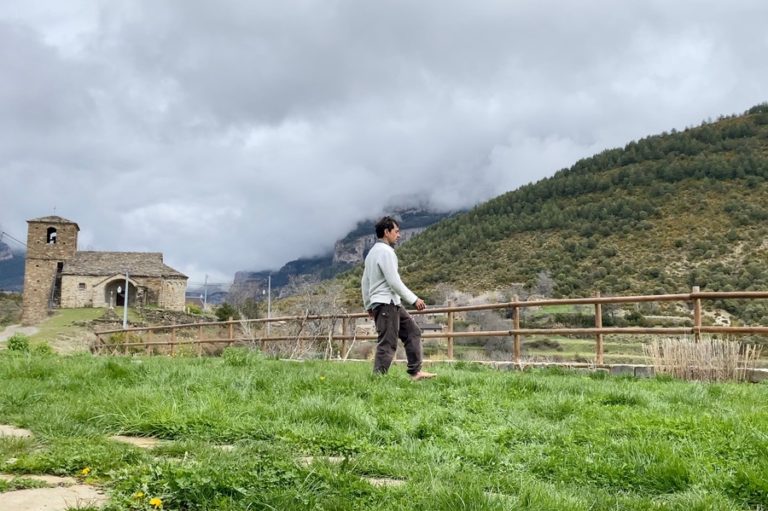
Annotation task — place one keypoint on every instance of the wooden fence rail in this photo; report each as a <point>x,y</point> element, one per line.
<point>121,340</point>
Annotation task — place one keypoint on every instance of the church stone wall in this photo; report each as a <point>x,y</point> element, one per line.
<point>173,294</point>
<point>41,263</point>
<point>72,295</point>
<point>39,247</point>
<point>38,284</point>
<point>91,291</point>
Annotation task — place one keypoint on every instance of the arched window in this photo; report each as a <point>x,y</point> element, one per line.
<point>51,235</point>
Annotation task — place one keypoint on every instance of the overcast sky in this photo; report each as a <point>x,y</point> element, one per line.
<point>241,134</point>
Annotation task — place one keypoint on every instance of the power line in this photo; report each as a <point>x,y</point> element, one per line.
<point>3,233</point>
<point>210,287</point>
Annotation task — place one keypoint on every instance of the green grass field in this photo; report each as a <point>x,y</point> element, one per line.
<point>65,322</point>
<point>245,433</point>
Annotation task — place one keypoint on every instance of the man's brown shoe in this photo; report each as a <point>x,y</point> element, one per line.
<point>421,375</point>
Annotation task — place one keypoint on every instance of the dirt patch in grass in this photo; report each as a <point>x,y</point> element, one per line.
<point>308,460</point>
<point>143,442</point>
<point>384,481</point>
<point>59,498</point>
<point>46,479</point>
<point>7,430</point>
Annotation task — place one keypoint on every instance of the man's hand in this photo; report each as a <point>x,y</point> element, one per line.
<point>419,304</point>
<point>370,313</point>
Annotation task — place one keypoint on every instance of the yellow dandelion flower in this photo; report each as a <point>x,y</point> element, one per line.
<point>156,503</point>
<point>138,495</point>
<point>322,378</point>
<point>86,471</point>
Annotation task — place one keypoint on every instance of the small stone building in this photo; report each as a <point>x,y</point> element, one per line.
<point>56,274</point>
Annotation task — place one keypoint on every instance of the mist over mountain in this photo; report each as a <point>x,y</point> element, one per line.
<point>11,269</point>
<point>346,253</point>
<point>5,252</point>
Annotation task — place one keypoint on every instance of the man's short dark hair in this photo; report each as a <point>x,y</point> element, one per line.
<point>385,224</point>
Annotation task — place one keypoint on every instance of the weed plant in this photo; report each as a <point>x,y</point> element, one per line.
<point>243,432</point>
<point>18,342</point>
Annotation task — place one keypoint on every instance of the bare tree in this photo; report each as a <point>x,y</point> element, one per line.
<point>242,306</point>
<point>319,304</point>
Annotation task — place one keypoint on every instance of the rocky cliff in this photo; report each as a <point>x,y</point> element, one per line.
<point>347,252</point>
<point>354,251</point>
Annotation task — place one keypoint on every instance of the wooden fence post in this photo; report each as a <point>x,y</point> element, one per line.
<point>450,335</point>
<point>200,341</point>
<point>599,326</point>
<point>231,332</point>
<point>516,329</point>
<point>173,339</point>
<point>147,346</point>
<point>696,315</point>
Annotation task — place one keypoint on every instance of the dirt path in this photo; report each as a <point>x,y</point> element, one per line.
<point>17,329</point>
<point>52,499</point>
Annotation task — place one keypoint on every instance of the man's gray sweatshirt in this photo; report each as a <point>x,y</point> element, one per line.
<point>381,281</point>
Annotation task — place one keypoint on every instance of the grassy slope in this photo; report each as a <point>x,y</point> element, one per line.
<point>471,439</point>
<point>10,309</point>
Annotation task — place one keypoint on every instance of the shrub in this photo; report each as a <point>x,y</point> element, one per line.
<point>42,349</point>
<point>18,342</point>
<point>116,341</point>
<point>635,318</point>
<point>225,311</point>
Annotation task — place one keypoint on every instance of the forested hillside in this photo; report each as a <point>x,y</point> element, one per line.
<point>660,215</point>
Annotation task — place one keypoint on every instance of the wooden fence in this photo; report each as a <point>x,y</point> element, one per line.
<point>132,339</point>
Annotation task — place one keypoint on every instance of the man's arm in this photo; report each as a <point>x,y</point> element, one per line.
<point>365,286</point>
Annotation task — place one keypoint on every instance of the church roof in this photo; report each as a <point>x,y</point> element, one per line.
<point>138,264</point>
<point>53,219</point>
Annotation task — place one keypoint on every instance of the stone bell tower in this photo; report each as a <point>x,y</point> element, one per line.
<point>51,242</point>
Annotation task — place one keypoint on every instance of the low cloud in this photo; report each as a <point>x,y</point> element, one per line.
<point>240,135</point>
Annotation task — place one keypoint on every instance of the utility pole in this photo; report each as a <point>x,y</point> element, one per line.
<point>205,293</point>
<point>269,303</point>
<point>125,303</point>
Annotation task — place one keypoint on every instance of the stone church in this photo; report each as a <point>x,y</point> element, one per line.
<point>56,274</point>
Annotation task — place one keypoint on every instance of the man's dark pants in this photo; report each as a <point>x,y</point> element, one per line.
<point>392,323</point>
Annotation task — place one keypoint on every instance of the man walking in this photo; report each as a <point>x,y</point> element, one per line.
<point>383,292</point>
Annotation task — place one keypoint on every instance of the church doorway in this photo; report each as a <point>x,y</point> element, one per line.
<point>115,293</point>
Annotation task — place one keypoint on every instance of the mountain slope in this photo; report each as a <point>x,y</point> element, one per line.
<point>347,252</point>
<point>658,216</point>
